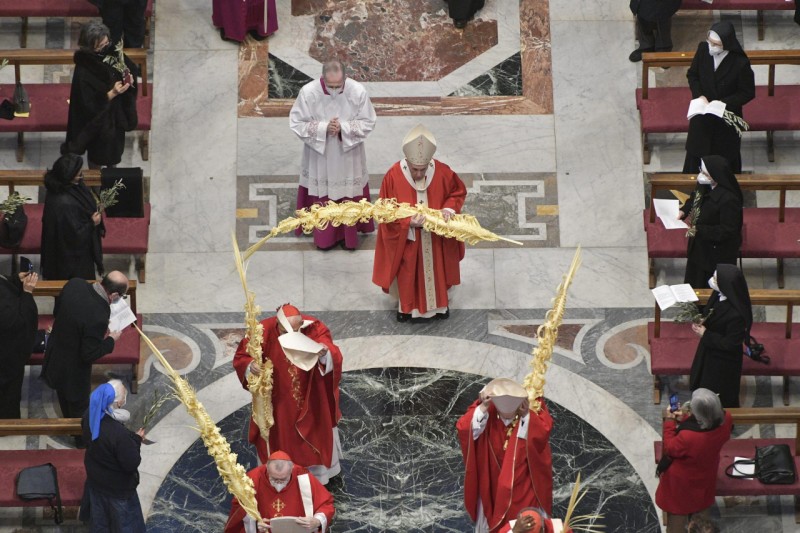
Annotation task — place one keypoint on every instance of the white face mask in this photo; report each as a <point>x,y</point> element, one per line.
<point>715,50</point>
<point>702,179</point>
<point>278,486</point>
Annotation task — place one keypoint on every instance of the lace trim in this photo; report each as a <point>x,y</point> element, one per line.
<point>313,127</point>
<point>355,128</point>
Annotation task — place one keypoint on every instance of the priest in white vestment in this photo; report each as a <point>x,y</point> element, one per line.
<point>333,116</point>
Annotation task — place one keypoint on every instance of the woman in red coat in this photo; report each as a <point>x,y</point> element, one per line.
<point>690,460</point>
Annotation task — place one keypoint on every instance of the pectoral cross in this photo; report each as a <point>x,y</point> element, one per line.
<point>278,505</point>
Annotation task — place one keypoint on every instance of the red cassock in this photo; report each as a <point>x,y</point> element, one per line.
<point>506,481</point>
<point>690,483</point>
<point>397,257</point>
<point>287,502</point>
<point>548,528</point>
<point>305,404</point>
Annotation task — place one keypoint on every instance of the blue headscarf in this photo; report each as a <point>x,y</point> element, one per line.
<point>101,398</point>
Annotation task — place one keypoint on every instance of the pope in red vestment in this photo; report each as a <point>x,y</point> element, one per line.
<point>305,402</point>
<point>284,490</point>
<point>507,456</point>
<point>420,265</point>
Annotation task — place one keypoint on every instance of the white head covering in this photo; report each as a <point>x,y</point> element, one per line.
<point>507,395</point>
<point>300,350</point>
<point>419,145</point>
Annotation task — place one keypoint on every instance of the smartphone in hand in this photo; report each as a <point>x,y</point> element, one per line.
<point>674,405</point>
<point>25,265</point>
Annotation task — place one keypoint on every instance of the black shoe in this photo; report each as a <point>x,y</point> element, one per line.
<point>460,24</point>
<point>636,55</point>
<point>403,317</point>
<point>442,316</point>
<point>257,36</point>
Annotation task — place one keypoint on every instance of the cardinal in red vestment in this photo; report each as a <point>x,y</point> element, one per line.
<point>307,369</point>
<point>534,521</point>
<point>415,265</point>
<point>507,457</point>
<point>284,489</point>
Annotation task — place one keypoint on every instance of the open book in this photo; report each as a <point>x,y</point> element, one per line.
<point>669,295</point>
<point>667,211</point>
<point>699,107</point>
<point>121,316</point>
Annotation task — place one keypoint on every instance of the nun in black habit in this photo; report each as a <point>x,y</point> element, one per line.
<point>718,226</point>
<point>728,316</point>
<point>71,226</point>
<point>720,71</point>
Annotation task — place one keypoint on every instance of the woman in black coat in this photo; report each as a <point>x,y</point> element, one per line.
<point>18,322</point>
<point>71,226</point>
<point>102,101</point>
<point>717,226</point>
<point>728,316</point>
<point>720,71</point>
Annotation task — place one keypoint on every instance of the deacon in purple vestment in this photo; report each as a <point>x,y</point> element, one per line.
<point>235,18</point>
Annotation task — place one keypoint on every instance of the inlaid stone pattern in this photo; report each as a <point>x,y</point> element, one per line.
<point>356,32</point>
<point>520,206</point>
<point>402,469</point>
<point>505,79</point>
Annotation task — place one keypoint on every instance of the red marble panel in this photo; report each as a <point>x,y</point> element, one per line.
<point>253,77</point>
<point>537,75</point>
<point>423,44</point>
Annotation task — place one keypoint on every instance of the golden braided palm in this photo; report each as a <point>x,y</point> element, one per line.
<point>233,474</point>
<point>546,337</point>
<point>465,228</point>
<point>260,386</point>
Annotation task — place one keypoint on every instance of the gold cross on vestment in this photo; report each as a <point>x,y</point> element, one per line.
<point>278,505</point>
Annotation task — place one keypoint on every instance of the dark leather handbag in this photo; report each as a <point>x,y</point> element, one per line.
<point>41,483</point>
<point>774,465</point>
<point>22,104</point>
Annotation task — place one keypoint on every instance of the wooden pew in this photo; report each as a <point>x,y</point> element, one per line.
<point>746,448</point>
<point>767,232</point>
<point>50,101</point>
<point>127,349</point>
<point>759,6</point>
<point>68,462</point>
<point>26,9</point>
<point>124,236</point>
<point>672,346</point>
<point>663,109</point>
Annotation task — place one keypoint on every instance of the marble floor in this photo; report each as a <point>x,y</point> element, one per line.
<point>533,105</point>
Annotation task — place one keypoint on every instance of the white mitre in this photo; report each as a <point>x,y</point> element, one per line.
<point>300,350</point>
<point>419,145</point>
<point>507,395</point>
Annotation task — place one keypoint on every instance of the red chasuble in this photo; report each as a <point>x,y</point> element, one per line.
<point>419,264</point>
<point>305,404</point>
<point>506,481</point>
<point>548,528</point>
<point>287,502</point>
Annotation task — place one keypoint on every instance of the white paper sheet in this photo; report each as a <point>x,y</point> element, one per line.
<point>121,316</point>
<point>667,211</point>
<point>746,470</point>
<point>285,524</point>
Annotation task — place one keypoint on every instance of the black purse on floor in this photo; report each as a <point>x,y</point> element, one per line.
<point>41,483</point>
<point>774,465</point>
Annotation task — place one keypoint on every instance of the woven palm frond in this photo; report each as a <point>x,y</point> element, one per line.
<point>585,523</point>
<point>233,474</point>
<point>260,386</point>
<point>464,228</point>
<point>546,337</point>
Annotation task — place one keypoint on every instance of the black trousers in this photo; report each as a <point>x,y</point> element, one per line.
<point>655,36</point>
<point>72,409</point>
<point>125,17</point>
<point>13,374</point>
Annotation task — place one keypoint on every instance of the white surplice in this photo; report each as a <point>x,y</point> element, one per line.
<point>333,166</point>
